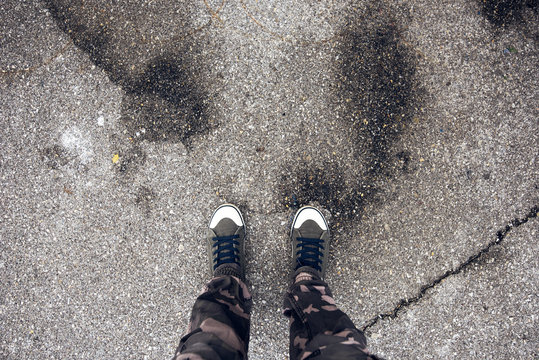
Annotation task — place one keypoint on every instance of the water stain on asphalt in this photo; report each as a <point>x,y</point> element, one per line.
<point>144,198</point>
<point>54,157</point>
<point>505,12</point>
<point>378,89</point>
<point>324,185</point>
<point>377,83</point>
<point>163,102</point>
<point>131,159</point>
<point>91,35</point>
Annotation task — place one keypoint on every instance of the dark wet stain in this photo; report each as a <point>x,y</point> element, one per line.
<point>131,159</point>
<point>93,37</point>
<point>378,89</point>
<point>377,84</point>
<point>494,256</point>
<point>164,102</point>
<point>144,198</point>
<point>54,157</point>
<point>317,185</point>
<point>324,186</point>
<point>404,160</point>
<point>506,12</point>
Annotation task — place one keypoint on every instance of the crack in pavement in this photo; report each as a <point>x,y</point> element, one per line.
<point>500,236</point>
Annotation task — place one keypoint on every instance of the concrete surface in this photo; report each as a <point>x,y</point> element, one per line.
<point>489,310</point>
<point>124,124</point>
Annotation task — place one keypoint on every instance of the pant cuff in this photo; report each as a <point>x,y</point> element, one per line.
<point>229,269</point>
<point>306,269</point>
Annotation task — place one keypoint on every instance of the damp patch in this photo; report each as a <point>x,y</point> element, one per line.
<point>132,158</point>
<point>377,90</point>
<point>165,100</point>
<point>144,198</point>
<point>54,157</point>
<point>324,186</point>
<point>506,12</point>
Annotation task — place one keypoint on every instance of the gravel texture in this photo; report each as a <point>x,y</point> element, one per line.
<point>414,125</point>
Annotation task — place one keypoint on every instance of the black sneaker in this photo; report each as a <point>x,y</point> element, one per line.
<point>310,240</point>
<point>226,235</point>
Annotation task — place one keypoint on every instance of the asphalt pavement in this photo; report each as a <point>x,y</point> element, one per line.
<point>413,125</point>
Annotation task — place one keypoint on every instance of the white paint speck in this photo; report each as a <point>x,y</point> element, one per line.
<point>76,142</point>
<point>101,120</point>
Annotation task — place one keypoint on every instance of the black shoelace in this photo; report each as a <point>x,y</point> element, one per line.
<point>308,252</point>
<point>226,250</point>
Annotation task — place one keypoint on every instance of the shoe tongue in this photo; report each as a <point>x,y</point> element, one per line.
<point>225,227</point>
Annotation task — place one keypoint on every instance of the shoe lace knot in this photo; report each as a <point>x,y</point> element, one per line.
<point>226,250</point>
<point>308,252</point>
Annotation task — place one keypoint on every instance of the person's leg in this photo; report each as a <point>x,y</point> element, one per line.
<point>219,326</point>
<point>220,319</point>
<point>318,329</point>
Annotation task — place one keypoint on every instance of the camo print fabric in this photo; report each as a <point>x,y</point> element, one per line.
<point>318,329</point>
<point>219,326</point>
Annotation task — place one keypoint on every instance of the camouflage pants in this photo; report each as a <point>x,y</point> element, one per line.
<point>219,326</point>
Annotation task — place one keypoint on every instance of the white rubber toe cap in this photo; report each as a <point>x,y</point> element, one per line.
<point>226,211</point>
<point>310,214</point>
